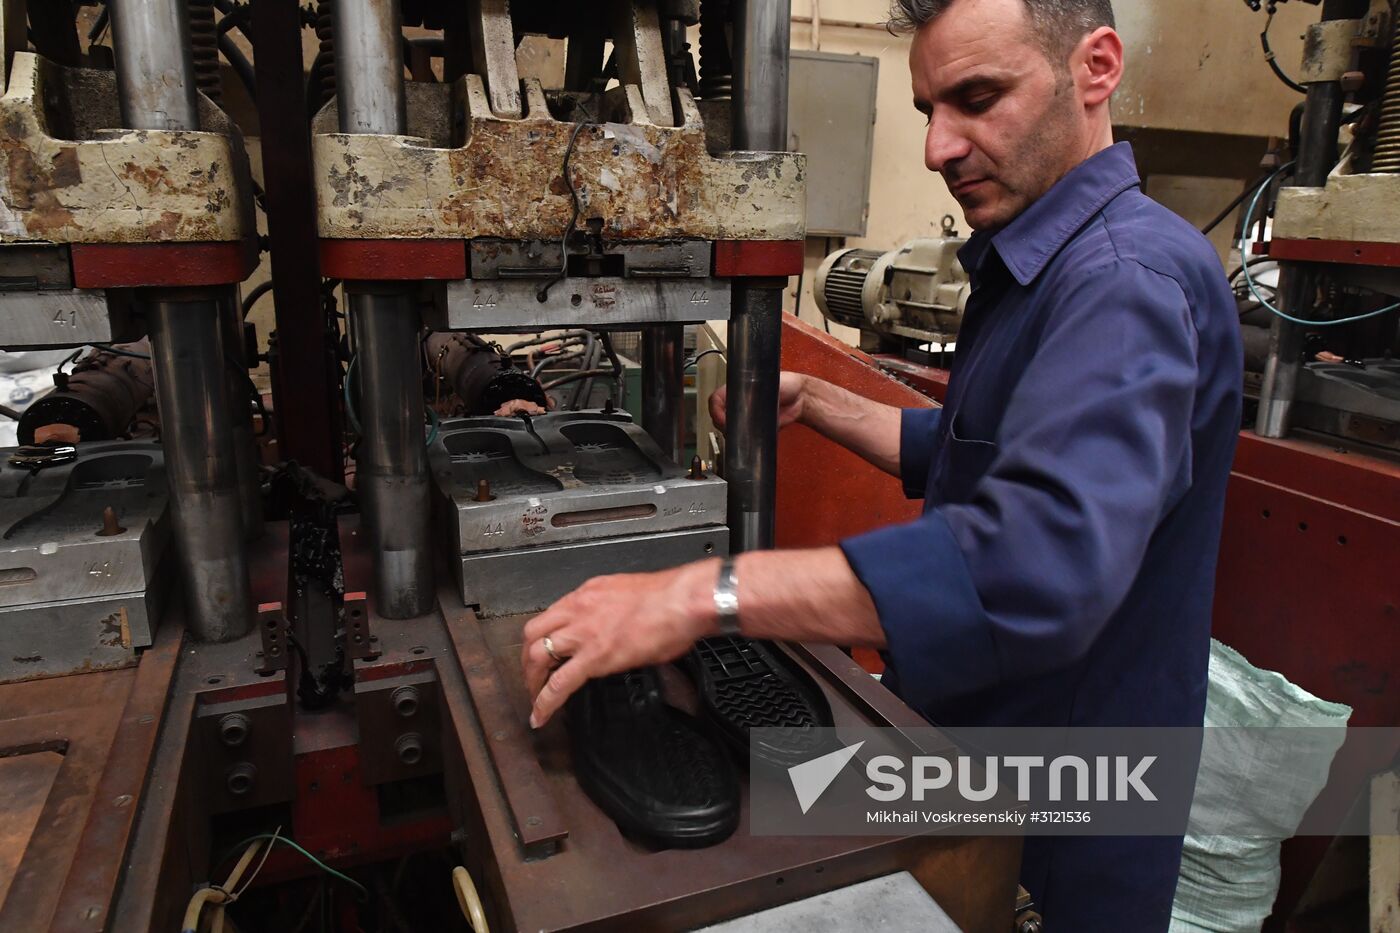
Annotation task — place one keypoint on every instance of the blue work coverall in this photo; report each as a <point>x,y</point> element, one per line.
<point>1074,485</point>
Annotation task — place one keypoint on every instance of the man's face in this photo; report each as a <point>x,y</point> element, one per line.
<point>1004,124</point>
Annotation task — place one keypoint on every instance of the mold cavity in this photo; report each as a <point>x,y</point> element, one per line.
<point>595,516</point>
<point>15,576</point>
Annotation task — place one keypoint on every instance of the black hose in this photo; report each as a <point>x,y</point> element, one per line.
<point>1273,59</point>
<point>618,375</point>
<point>238,63</point>
<point>252,297</point>
<point>98,25</point>
<point>1220,218</point>
<point>574,377</point>
<point>238,19</point>
<point>585,386</point>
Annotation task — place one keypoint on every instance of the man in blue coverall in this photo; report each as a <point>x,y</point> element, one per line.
<point>1073,482</point>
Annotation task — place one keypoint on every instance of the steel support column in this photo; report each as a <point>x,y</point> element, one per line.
<point>392,471</point>
<point>663,386</point>
<point>1317,153</point>
<point>155,80</point>
<point>240,412</point>
<point>761,29</point>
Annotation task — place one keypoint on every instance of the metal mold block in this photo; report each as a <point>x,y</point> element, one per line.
<point>63,317</point>
<point>563,478</point>
<point>605,301</point>
<point>530,579</point>
<point>77,589</point>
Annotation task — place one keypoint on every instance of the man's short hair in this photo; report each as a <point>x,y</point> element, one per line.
<point>1058,24</point>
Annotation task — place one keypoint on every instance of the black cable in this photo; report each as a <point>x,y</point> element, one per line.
<point>58,372</point>
<point>239,63</point>
<point>98,26</point>
<point>11,413</point>
<point>543,294</point>
<point>237,18</point>
<point>1257,260</point>
<point>585,386</point>
<point>574,377</point>
<point>701,355</point>
<point>562,338</point>
<point>618,374</point>
<point>1273,60</point>
<point>1234,205</point>
<point>252,297</point>
<point>117,351</point>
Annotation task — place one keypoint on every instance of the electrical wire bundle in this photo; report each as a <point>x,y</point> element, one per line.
<point>582,352</point>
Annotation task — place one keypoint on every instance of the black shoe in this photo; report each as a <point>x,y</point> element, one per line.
<point>746,685</point>
<point>650,766</point>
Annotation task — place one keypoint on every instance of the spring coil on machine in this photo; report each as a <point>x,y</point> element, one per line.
<point>325,10</point>
<point>1387,151</point>
<point>716,61</point>
<point>204,41</point>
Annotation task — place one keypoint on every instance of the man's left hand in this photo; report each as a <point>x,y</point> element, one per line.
<point>614,624</point>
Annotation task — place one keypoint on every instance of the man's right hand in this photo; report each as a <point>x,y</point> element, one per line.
<point>791,396</point>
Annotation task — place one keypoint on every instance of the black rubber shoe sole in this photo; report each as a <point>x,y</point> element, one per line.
<point>746,685</point>
<point>650,766</point>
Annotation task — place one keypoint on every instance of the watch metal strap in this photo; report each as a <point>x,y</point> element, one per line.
<point>727,598</point>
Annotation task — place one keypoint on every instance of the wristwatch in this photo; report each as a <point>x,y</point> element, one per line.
<point>727,598</point>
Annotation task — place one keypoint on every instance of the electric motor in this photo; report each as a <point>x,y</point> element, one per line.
<point>918,291</point>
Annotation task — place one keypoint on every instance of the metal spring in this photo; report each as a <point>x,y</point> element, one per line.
<point>716,63</point>
<point>1387,152</point>
<point>204,41</point>
<point>325,9</point>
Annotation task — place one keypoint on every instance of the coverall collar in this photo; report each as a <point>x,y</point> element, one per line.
<point>1028,243</point>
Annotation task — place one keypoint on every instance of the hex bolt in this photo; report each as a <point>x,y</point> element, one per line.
<point>234,729</point>
<point>483,491</point>
<point>110,526</point>
<point>241,778</point>
<point>409,748</point>
<point>697,468</point>
<point>405,701</point>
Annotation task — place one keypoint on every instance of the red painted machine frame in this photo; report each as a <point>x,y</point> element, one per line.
<point>1307,583</point>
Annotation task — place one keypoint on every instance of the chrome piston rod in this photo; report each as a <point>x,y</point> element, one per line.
<point>392,470</point>
<point>762,30</point>
<point>156,85</point>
